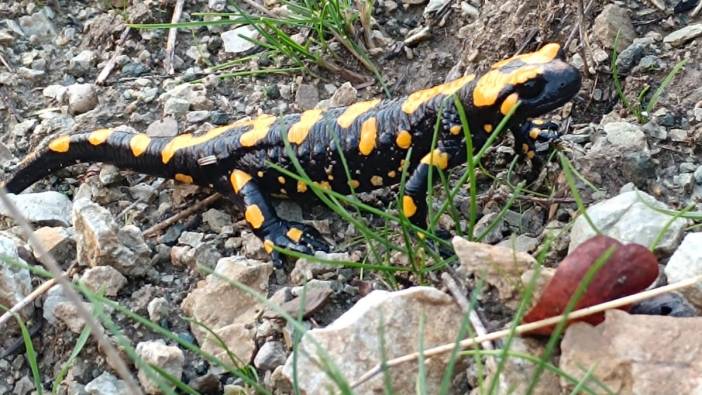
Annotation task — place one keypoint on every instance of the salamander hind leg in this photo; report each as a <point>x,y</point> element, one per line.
<point>266,225</point>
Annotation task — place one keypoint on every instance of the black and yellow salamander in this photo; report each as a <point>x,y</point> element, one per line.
<point>373,135</point>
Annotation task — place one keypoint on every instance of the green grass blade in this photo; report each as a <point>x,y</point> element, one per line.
<point>664,85</point>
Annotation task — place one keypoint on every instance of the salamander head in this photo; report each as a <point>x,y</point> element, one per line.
<point>541,81</point>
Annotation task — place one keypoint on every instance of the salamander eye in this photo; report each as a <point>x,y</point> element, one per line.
<point>531,88</point>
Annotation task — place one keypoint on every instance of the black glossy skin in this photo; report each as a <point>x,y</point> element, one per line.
<point>212,161</point>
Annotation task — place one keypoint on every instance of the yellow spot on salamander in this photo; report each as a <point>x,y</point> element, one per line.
<point>60,144</point>
<point>330,177</point>
<point>537,121</point>
<point>525,148</point>
<point>238,179</point>
<point>436,158</point>
<point>488,88</point>
<point>354,184</point>
<point>352,112</point>
<point>301,187</point>
<point>259,174</point>
<point>294,234</point>
<point>392,173</point>
<point>376,181</point>
<point>409,208</point>
<point>254,216</point>
<point>190,140</point>
<point>139,143</point>
<point>184,178</point>
<point>487,128</point>
<point>455,130</point>
<point>544,55</point>
<point>369,134</point>
<point>491,84</point>
<point>299,131</point>
<point>281,180</point>
<point>403,139</point>
<point>268,246</point>
<point>531,154</point>
<point>417,99</point>
<point>99,136</point>
<point>534,133</point>
<point>508,103</point>
<point>324,185</point>
<point>259,130</point>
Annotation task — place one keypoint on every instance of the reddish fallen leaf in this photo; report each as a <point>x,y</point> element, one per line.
<point>630,269</point>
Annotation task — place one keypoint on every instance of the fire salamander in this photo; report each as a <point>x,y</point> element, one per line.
<point>373,135</point>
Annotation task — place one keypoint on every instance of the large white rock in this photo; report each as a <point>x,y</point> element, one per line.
<point>353,341</point>
<point>630,217</point>
<point>685,263</point>
<point>636,354</point>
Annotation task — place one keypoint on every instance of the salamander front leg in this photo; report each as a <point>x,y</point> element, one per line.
<point>266,225</point>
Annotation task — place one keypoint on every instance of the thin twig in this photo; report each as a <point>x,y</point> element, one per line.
<point>260,8</point>
<point>524,328</point>
<point>6,64</point>
<point>152,231</point>
<point>105,72</point>
<point>50,263</point>
<point>30,298</point>
<point>696,10</point>
<point>459,294</point>
<point>170,43</point>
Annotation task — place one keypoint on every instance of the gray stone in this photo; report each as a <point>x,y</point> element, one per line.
<point>698,175</point>
<point>24,127</point>
<point>101,242</point>
<point>82,63</point>
<point>521,243</point>
<point>107,384</point>
<point>611,21</point>
<point>685,263</point>
<point>197,116</point>
<point>38,24</point>
<point>166,127</point>
<point>194,94</point>
<point>306,270</point>
<point>192,239</point>
<point>234,41</point>
<point>649,63</point>
<point>628,218</point>
<point>104,279</point>
<point>168,358</point>
<point>15,280</point>
<point>352,343</point>
<point>681,36</point>
<point>655,131</point>
<point>271,355</point>
<point>176,106</point>
<point>58,241</point>
<point>226,310</point>
<point>630,56</point>
<point>44,208</point>
<point>158,308</point>
<point>56,92</point>
<point>625,135</point>
<point>58,308</point>
<point>216,219</point>
<point>109,175</point>
<point>306,96</point>
<point>81,98</point>
<point>678,135</point>
<point>217,5</point>
<point>345,95</point>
